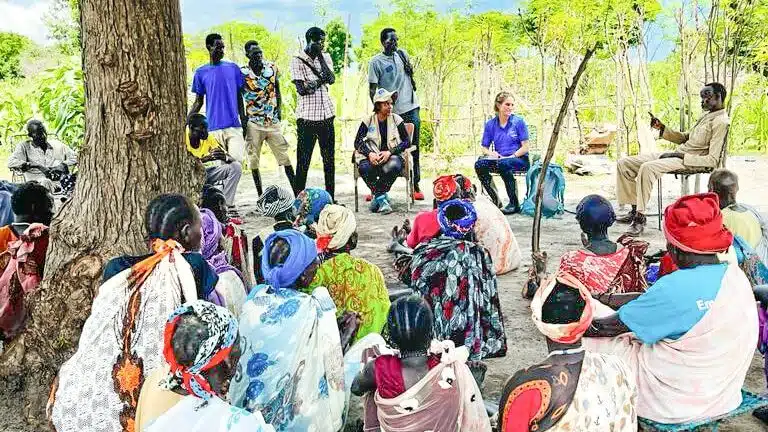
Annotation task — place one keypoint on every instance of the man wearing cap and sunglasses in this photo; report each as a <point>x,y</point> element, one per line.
<point>381,139</point>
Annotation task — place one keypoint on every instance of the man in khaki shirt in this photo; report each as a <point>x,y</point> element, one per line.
<point>701,147</point>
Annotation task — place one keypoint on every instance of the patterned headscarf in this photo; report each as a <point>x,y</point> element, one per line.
<point>222,333</point>
<point>212,231</point>
<point>444,187</point>
<point>694,224</point>
<point>309,203</point>
<point>563,333</point>
<point>335,227</point>
<point>274,201</point>
<point>302,253</point>
<point>457,228</point>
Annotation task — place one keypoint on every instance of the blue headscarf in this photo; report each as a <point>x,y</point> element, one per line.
<point>309,203</point>
<point>595,214</point>
<point>457,228</point>
<point>6,213</point>
<point>302,253</point>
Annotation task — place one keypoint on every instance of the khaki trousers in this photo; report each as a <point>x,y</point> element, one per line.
<point>637,175</point>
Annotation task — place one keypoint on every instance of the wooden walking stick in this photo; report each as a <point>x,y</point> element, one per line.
<point>538,269</point>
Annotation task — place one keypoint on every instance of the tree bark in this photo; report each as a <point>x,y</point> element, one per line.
<point>135,87</point>
<point>539,258</point>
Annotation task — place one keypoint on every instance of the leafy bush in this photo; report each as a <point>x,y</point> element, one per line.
<point>55,96</point>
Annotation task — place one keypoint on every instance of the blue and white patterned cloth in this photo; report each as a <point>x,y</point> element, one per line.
<point>291,367</point>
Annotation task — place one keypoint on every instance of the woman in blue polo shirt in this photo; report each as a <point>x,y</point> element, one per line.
<point>505,151</point>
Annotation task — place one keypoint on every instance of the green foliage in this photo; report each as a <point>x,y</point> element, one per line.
<point>63,22</point>
<point>336,38</point>
<point>61,101</point>
<point>55,96</point>
<point>11,47</point>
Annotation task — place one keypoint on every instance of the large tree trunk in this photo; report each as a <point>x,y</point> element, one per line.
<point>133,61</point>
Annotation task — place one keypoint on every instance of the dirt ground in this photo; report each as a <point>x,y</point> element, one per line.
<point>526,345</point>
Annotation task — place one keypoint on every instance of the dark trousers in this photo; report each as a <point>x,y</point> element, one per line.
<point>380,178</point>
<point>506,168</point>
<point>412,116</point>
<point>309,132</point>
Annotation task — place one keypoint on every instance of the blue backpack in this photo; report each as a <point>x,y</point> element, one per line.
<point>554,191</point>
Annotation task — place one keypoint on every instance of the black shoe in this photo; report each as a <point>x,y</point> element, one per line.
<point>761,414</point>
<point>638,226</point>
<point>627,218</point>
<point>510,209</point>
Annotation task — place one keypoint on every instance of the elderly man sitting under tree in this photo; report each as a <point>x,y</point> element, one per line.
<point>45,161</point>
<point>701,147</point>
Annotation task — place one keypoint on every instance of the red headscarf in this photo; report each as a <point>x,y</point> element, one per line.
<point>694,224</point>
<point>444,187</point>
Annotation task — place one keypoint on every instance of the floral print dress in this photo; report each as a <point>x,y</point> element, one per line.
<point>291,369</point>
<point>358,286</point>
<point>457,279</point>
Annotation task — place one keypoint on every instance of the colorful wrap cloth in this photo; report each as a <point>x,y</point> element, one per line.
<point>447,399</point>
<point>122,343</point>
<point>456,228</point>
<point>21,270</point>
<point>292,366</point>
<point>274,201</point>
<point>335,227</point>
<point>302,253</point>
<point>562,333</point>
<point>211,250</point>
<point>694,224</point>
<point>308,205</point>
<point>444,187</point>
<point>222,333</point>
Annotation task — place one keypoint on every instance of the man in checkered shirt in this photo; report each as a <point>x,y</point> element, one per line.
<point>312,73</point>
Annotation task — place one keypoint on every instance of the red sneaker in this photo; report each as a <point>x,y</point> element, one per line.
<point>368,197</point>
<point>418,196</point>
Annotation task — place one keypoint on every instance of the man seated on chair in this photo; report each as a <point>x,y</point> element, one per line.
<point>379,146</point>
<point>701,147</point>
<point>740,219</point>
<point>46,161</point>
<point>220,166</point>
<point>509,135</point>
<point>691,337</point>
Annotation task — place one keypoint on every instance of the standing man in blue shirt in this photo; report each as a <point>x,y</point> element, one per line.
<point>392,70</point>
<point>508,134</point>
<point>219,84</point>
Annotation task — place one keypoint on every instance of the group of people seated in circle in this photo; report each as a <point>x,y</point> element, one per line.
<point>191,335</point>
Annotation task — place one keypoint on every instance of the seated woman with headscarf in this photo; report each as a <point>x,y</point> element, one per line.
<point>691,337</point>
<point>308,205</point>
<point>455,275</point>
<point>426,385</point>
<point>604,266</point>
<point>292,364</point>
<point>276,202</point>
<point>355,284</point>
<point>572,389</point>
<point>201,352</point>
<point>121,342</point>
<point>235,242</point>
<point>230,290</point>
<point>492,229</point>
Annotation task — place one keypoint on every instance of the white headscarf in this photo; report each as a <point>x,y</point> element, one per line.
<point>334,227</point>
